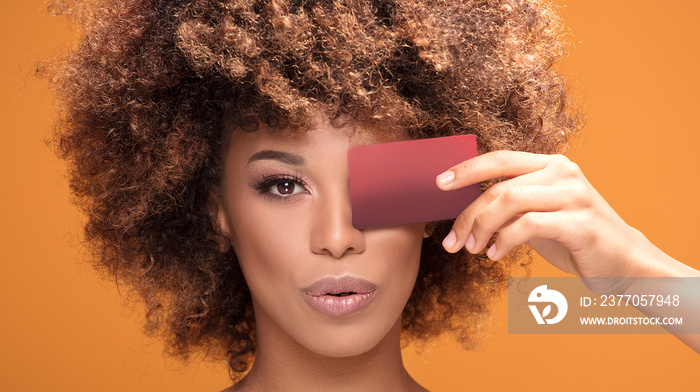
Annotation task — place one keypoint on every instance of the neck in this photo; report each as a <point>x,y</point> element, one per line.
<point>283,364</point>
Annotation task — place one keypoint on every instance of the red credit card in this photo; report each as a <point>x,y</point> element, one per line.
<point>394,183</point>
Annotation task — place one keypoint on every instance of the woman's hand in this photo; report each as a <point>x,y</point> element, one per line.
<point>547,202</point>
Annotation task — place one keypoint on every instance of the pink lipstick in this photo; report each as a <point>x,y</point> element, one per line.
<point>340,296</point>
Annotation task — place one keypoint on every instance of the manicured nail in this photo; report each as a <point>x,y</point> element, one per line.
<point>450,240</point>
<point>446,177</point>
<point>491,252</point>
<point>470,243</point>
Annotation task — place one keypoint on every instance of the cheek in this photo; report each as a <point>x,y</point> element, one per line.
<point>266,242</point>
<point>401,247</point>
<point>403,243</point>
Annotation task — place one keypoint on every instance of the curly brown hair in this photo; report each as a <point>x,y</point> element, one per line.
<point>150,90</point>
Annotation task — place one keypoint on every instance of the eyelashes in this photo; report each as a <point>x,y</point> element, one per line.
<point>280,187</point>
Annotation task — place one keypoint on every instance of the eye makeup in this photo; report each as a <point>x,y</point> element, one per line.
<point>279,187</point>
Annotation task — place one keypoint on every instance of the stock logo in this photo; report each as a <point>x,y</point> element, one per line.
<point>542,295</point>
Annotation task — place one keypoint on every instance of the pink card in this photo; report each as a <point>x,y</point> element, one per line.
<point>394,183</point>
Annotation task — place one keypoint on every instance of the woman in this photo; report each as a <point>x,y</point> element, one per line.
<point>208,140</point>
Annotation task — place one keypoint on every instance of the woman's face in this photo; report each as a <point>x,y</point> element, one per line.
<point>315,280</point>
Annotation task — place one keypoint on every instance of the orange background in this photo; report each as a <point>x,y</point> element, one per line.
<point>635,62</point>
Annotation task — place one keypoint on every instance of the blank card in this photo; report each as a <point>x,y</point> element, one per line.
<point>394,183</point>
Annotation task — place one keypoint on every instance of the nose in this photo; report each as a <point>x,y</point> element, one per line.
<point>333,233</point>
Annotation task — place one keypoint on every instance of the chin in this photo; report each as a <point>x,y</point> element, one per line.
<point>344,349</point>
<point>350,341</point>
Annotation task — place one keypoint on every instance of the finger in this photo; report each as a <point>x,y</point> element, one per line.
<point>463,223</point>
<point>496,164</point>
<point>546,225</point>
<point>520,200</point>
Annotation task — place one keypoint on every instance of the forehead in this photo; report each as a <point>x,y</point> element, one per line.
<point>321,136</point>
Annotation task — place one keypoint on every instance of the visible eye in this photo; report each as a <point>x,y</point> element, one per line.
<point>280,187</point>
<point>284,188</point>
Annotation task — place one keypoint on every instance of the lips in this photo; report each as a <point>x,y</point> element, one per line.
<point>340,296</point>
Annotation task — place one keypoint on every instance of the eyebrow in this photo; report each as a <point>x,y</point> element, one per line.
<point>281,156</point>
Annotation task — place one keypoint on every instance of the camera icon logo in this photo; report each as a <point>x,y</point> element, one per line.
<point>543,295</point>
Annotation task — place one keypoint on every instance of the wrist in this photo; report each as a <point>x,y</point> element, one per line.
<point>650,261</point>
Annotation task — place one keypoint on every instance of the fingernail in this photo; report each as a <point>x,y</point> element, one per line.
<point>446,177</point>
<point>491,252</point>
<point>450,240</point>
<point>470,243</point>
